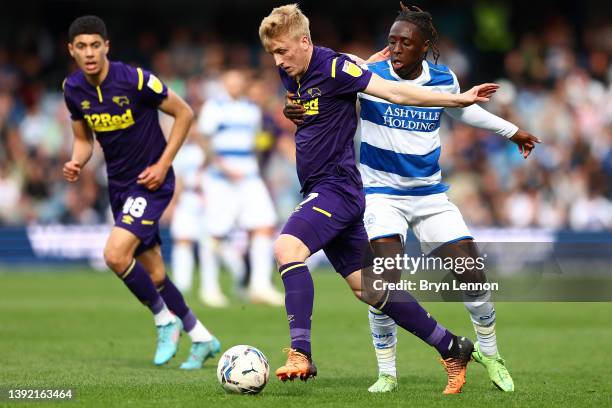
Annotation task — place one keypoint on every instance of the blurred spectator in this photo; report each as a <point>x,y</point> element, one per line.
<point>556,84</point>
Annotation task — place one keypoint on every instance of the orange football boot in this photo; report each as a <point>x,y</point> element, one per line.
<point>297,365</point>
<point>456,366</point>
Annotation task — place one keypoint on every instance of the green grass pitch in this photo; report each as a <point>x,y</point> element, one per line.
<point>83,330</point>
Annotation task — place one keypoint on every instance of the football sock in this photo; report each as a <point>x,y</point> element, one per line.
<point>261,257</point>
<point>209,265</point>
<point>176,303</point>
<point>482,313</point>
<point>408,314</point>
<point>299,298</point>
<point>199,333</point>
<point>384,337</point>
<point>182,266</point>
<point>163,317</point>
<point>140,284</point>
<point>233,260</point>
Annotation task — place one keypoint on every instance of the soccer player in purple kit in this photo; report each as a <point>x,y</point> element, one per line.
<point>119,104</point>
<point>331,215</point>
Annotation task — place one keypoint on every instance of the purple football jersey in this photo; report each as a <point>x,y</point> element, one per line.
<point>122,112</point>
<point>324,142</point>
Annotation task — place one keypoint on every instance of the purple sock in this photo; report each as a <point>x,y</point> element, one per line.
<point>140,284</point>
<point>299,298</point>
<point>410,315</point>
<point>176,303</point>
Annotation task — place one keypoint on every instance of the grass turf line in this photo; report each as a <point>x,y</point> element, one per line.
<point>84,331</point>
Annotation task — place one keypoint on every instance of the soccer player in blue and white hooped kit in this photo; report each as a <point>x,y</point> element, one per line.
<point>119,104</point>
<point>400,148</point>
<point>331,216</point>
<point>236,194</point>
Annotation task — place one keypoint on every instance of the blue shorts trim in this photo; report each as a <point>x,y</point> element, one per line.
<point>450,242</point>
<point>386,236</point>
<point>416,191</point>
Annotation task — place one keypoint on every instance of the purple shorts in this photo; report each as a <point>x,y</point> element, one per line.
<point>138,210</point>
<point>331,219</point>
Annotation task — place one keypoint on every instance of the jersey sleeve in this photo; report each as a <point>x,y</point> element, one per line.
<point>456,88</point>
<point>75,113</point>
<point>208,119</point>
<point>474,115</point>
<point>347,76</point>
<point>151,89</point>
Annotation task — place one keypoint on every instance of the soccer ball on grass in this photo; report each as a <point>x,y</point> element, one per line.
<point>243,370</point>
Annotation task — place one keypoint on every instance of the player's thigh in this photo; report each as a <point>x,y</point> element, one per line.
<point>119,249</point>
<point>350,250</point>
<point>385,217</point>
<point>141,211</point>
<point>256,206</point>
<point>152,260</point>
<point>321,217</point>
<point>222,206</point>
<point>437,222</point>
<point>469,267</point>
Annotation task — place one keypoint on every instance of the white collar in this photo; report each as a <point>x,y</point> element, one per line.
<point>420,80</point>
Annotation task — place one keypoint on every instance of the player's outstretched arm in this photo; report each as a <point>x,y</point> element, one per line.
<point>405,94</point>
<point>81,150</point>
<point>525,142</point>
<point>153,176</point>
<point>478,117</point>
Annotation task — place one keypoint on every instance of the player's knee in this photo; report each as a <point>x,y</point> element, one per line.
<point>288,250</point>
<point>358,294</point>
<point>116,261</point>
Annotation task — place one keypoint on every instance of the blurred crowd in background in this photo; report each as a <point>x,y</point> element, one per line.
<point>556,84</point>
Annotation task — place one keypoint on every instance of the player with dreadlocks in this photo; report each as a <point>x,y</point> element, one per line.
<point>400,148</point>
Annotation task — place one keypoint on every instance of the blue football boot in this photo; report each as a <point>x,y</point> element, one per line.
<point>167,341</point>
<point>200,352</point>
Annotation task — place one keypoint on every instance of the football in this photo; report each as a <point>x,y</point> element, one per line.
<point>243,370</point>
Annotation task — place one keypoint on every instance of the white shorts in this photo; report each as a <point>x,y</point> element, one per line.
<point>245,204</point>
<point>187,220</point>
<point>433,219</point>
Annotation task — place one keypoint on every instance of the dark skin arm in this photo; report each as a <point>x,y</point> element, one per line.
<point>525,142</point>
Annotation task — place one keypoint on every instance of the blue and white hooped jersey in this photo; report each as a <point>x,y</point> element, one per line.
<point>188,167</point>
<point>400,145</point>
<point>232,126</point>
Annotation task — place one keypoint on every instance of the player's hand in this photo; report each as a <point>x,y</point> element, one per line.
<point>479,93</point>
<point>381,55</point>
<point>153,176</point>
<point>293,111</point>
<point>71,171</point>
<point>525,142</point>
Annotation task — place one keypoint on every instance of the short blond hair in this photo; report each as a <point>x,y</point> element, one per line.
<point>284,20</point>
